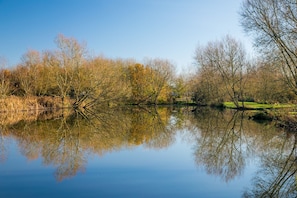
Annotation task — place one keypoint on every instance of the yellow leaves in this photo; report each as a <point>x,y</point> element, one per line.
<point>148,82</point>
<point>66,72</point>
<point>140,83</point>
<point>165,94</point>
<point>147,125</point>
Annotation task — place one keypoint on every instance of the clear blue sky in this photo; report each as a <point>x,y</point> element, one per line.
<point>169,29</point>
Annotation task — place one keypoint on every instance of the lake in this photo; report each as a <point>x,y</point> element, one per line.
<point>145,152</point>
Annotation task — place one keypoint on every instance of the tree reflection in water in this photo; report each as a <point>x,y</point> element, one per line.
<point>66,140</point>
<point>277,175</point>
<point>3,144</point>
<point>220,145</point>
<point>227,141</point>
<point>224,142</point>
<point>151,127</point>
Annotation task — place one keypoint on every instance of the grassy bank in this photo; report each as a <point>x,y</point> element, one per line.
<point>284,115</point>
<point>257,106</point>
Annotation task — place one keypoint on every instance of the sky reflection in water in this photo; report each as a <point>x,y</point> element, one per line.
<point>202,154</point>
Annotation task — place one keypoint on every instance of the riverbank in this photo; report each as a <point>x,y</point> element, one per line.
<point>32,103</point>
<point>14,109</point>
<point>31,107</point>
<point>284,115</point>
<point>256,106</point>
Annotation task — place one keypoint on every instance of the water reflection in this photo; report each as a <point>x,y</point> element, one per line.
<point>3,145</point>
<point>277,175</point>
<point>220,147</point>
<point>224,142</point>
<point>228,141</point>
<point>66,140</point>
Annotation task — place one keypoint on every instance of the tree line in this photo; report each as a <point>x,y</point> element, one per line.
<point>224,72</point>
<point>68,72</point>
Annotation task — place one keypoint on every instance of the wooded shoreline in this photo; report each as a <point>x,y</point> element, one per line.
<point>14,109</point>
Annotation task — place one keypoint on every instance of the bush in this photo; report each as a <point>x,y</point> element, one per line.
<point>262,116</point>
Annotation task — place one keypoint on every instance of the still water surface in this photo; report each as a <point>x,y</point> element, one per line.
<point>145,152</point>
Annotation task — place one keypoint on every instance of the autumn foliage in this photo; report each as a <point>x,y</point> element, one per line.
<point>82,82</point>
<point>72,78</point>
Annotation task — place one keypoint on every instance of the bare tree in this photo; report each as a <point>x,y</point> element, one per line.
<point>161,74</point>
<point>69,59</point>
<point>228,58</point>
<point>29,74</point>
<point>273,24</point>
<point>105,84</point>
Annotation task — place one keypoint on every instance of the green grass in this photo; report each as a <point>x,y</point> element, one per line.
<point>254,105</point>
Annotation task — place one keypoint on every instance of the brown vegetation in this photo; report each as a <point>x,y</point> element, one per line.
<point>68,77</point>
<point>42,79</point>
<point>14,109</point>
<point>32,103</point>
<point>63,142</point>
